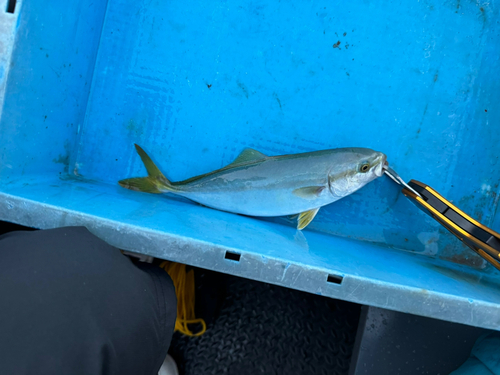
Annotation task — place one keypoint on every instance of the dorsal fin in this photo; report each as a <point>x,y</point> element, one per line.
<point>248,155</point>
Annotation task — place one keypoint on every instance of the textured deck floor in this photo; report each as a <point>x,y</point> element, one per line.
<point>266,329</point>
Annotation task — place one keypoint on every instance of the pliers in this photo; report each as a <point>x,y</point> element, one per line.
<point>481,239</point>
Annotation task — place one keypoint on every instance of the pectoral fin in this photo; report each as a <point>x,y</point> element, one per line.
<point>306,217</point>
<point>309,192</point>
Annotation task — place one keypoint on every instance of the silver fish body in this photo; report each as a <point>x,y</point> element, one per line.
<point>258,185</point>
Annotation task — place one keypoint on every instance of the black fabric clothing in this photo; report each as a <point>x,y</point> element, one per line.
<point>72,304</point>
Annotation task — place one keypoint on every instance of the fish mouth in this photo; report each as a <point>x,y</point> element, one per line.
<point>381,164</point>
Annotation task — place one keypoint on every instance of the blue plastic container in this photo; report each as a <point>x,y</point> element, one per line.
<point>195,83</point>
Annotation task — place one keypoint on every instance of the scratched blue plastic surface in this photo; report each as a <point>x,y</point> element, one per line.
<point>194,83</point>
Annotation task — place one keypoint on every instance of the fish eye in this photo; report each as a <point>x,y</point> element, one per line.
<point>364,168</point>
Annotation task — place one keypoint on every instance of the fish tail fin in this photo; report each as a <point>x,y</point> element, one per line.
<point>154,183</point>
<point>144,184</point>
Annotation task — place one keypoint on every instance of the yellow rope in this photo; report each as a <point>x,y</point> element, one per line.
<point>185,291</point>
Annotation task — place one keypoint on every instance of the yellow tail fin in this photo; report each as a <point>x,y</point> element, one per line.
<point>155,183</point>
<point>144,184</point>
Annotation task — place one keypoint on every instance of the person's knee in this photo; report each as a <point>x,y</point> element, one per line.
<point>71,296</point>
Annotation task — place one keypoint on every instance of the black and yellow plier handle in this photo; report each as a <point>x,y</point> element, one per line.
<point>483,240</point>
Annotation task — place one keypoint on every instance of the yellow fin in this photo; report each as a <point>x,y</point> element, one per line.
<point>306,217</point>
<point>144,184</point>
<point>154,183</point>
<point>308,192</point>
<point>248,155</point>
<point>152,169</point>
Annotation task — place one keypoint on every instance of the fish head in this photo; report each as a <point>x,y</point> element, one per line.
<point>358,167</point>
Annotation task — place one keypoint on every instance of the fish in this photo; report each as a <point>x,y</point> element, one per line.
<point>255,184</point>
